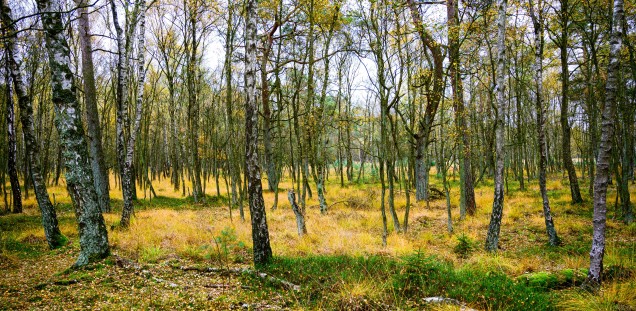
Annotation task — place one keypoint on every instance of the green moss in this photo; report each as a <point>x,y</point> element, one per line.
<point>60,241</point>
<point>549,281</point>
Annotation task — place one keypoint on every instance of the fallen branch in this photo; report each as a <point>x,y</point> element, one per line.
<point>346,202</point>
<point>226,286</point>
<point>240,271</point>
<point>126,263</point>
<point>450,301</point>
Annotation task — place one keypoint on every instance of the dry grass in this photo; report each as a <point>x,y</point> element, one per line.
<point>354,227</point>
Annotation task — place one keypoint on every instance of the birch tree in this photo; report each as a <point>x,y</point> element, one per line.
<point>492,239</point>
<point>601,179</point>
<point>537,22</point>
<point>260,233</point>
<point>12,149</point>
<point>52,232</point>
<point>125,148</point>
<point>566,152</point>
<point>79,177</point>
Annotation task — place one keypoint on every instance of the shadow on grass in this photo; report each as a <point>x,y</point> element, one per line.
<point>13,241</point>
<point>15,223</point>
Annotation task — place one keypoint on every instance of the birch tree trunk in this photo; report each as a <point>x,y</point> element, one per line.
<point>12,147</point>
<point>537,21</point>
<point>601,179</point>
<point>300,217</point>
<point>321,137</point>
<point>233,165</point>
<point>141,80</point>
<point>492,240</point>
<point>125,152</point>
<point>100,174</point>
<point>52,232</point>
<point>272,176</point>
<point>260,232</point>
<point>79,176</point>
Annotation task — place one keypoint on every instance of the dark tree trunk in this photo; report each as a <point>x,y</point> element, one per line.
<point>193,109</point>
<point>467,189</point>
<point>422,168</point>
<point>98,166</point>
<point>428,42</point>
<point>628,111</point>
<point>79,176</point>
<point>566,151</point>
<point>272,176</point>
<point>233,163</point>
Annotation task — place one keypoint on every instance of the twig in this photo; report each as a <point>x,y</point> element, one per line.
<point>450,301</point>
<point>239,271</point>
<point>226,286</point>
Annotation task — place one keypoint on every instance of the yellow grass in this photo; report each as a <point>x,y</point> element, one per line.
<point>355,230</point>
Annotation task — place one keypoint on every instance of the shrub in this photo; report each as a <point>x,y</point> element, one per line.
<point>464,247</point>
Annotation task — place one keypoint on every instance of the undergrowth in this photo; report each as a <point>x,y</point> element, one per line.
<point>375,282</point>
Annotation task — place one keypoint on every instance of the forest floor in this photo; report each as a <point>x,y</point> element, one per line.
<point>177,255</point>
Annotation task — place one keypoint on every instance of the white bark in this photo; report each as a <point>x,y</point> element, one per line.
<point>260,232</point>
<point>595,274</point>
<point>492,239</point>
